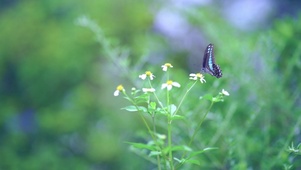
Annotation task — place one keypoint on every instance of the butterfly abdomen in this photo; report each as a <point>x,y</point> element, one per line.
<point>217,71</point>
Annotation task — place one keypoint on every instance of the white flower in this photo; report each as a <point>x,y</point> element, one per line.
<point>142,76</point>
<point>169,85</point>
<point>224,92</point>
<point>145,90</point>
<point>116,93</point>
<point>147,74</point>
<point>196,76</point>
<point>165,66</point>
<point>118,90</point>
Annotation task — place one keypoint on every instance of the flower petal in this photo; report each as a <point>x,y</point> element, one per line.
<point>142,76</point>
<point>151,77</point>
<point>116,93</point>
<point>176,84</point>
<point>164,68</point>
<point>193,78</point>
<point>169,87</point>
<point>163,86</point>
<point>145,90</point>
<point>225,92</point>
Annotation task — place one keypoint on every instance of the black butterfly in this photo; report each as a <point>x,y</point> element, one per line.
<point>209,65</point>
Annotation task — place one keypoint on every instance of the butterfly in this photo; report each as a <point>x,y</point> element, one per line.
<point>209,65</point>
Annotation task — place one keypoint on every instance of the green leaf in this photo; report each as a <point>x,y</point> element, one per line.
<point>201,151</point>
<point>207,97</point>
<point>173,108</point>
<point>176,117</point>
<point>130,108</point>
<point>218,98</point>
<point>129,99</point>
<point>143,109</point>
<point>162,111</point>
<point>134,92</point>
<point>134,108</point>
<point>160,136</point>
<point>179,160</point>
<point>179,148</point>
<point>193,161</point>
<point>152,107</point>
<point>143,146</point>
<point>144,98</point>
<point>154,153</point>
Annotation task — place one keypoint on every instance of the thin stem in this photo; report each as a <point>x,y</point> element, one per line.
<point>169,130</point>
<point>162,107</point>
<point>184,97</point>
<point>142,117</point>
<point>155,131</point>
<point>170,144</point>
<point>196,130</point>
<point>199,125</point>
<point>169,127</point>
<point>288,140</point>
<point>150,84</point>
<point>149,130</point>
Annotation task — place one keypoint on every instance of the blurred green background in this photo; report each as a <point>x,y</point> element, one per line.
<point>57,109</point>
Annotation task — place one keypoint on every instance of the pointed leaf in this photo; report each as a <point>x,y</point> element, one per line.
<point>160,136</point>
<point>207,97</point>
<point>193,161</point>
<point>134,108</point>
<point>162,111</point>
<point>154,153</point>
<point>129,99</point>
<point>142,146</point>
<point>179,148</point>
<point>144,98</point>
<point>179,160</point>
<point>130,108</point>
<point>175,117</point>
<point>173,108</point>
<point>152,107</point>
<point>201,151</point>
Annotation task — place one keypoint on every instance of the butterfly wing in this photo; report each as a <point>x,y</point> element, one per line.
<point>209,65</point>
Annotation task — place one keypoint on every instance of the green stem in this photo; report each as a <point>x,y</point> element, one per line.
<point>162,107</point>
<point>155,131</point>
<point>170,144</point>
<point>199,125</point>
<point>150,84</point>
<point>196,130</point>
<point>180,104</point>
<point>169,127</point>
<point>142,117</point>
<point>169,131</point>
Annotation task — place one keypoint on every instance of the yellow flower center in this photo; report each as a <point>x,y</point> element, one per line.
<point>120,87</point>
<point>169,82</point>
<point>148,73</point>
<point>199,75</point>
<point>168,65</point>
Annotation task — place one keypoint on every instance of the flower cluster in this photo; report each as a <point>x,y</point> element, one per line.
<point>197,76</point>
<point>166,66</point>
<point>169,83</point>
<point>118,90</point>
<point>147,74</point>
